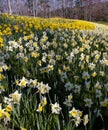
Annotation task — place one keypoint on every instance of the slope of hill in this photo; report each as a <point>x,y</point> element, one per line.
<point>53,74</point>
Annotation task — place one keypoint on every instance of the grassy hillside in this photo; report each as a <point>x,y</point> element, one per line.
<point>53,74</point>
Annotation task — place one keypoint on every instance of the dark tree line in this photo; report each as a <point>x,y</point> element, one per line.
<point>91,10</point>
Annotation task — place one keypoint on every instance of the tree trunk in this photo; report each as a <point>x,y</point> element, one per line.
<point>34,8</point>
<point>9,7</point>
<point>86,11</point>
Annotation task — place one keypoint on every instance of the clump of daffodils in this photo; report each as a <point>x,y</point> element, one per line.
<point>24,82</point>
<point>77,117</point>
<point>5,113</point>
<point>43,88</point>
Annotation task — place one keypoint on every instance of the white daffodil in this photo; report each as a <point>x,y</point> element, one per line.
<point>56,108</point>
<point>73,112</point>
<point>23,82</point>
<point>88,102</point>
<point>104,103</point>
<point>16,97</point>
<point>85,75</point>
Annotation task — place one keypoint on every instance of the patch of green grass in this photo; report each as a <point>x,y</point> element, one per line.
<point>102,22</point>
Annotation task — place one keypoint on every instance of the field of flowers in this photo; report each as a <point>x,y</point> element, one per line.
<point>53,74</point>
